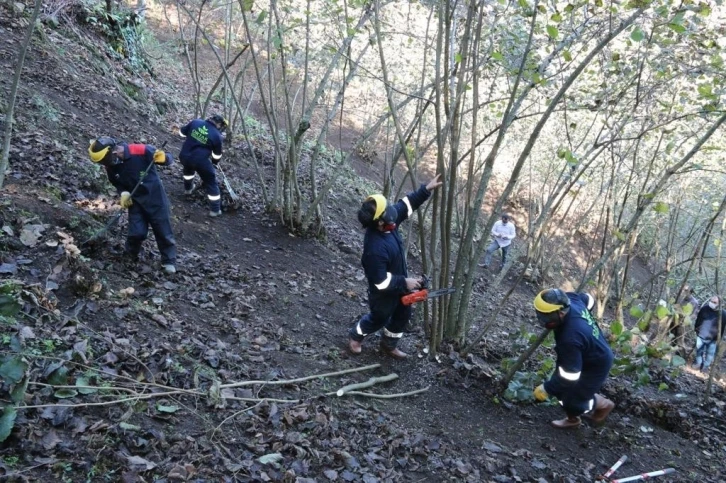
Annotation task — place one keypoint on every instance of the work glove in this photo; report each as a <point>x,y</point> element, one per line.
<point>159,157</point>
<point>126,200</point>
<point>540,394</point>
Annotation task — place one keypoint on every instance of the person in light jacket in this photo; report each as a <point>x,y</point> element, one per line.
<point>503,233</point>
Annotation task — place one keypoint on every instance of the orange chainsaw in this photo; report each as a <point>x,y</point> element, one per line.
<point>424,293</point>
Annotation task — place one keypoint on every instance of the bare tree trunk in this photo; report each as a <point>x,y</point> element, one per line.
<point>460,299</point>
<point>619,315</point>
<point>14,91</point>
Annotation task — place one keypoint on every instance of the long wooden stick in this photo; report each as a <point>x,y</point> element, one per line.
<point>301,379</point>
<point>388,396</point>
<point>140,396</point>
<point>360,385</point>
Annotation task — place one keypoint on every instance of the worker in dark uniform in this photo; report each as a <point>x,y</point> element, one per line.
<point>202,141</point>
<point>129,165</point>
<point>584,357</point>
<point>384,263</point>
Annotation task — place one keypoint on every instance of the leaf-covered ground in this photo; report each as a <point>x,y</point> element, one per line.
<point>124,374</point>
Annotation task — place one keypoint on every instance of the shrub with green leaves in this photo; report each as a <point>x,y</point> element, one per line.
<point>522,385</point>
<point>637,354</point>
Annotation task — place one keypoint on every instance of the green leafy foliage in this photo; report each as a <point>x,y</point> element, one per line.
<point>637,34</point>
<point>687,309</point>
<point>660,207</point>
<point>261,17</point>
<point>644,321</point>
<point>17,393</point>
<point>637,355</point>
<point>9,303</point>
<point>7,421</point>
<point>636,311</point>
<point>662,312</point>
<point>9,307</point>
<point>125,32</point>
<point>522,385</point>
<point>13,369</point>
<point>676,23</point>
<point>84,381</point>
<point>552,31</point>
<point>163,408</point>
<point>57,374</point>
<point>65,393</point>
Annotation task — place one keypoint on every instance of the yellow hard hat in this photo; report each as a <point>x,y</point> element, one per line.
<point>551,300</point>
<point>381,204</point>
<point>99,148</point>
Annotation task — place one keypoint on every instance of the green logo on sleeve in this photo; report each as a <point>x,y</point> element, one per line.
<point>591,322</point>
<point>201,134</point>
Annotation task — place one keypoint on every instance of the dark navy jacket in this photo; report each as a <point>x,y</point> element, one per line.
<point>202,140</point>
<point>584,357</point>
<point>383,259</point>
<point>707,313</point>
<point>150,194</point>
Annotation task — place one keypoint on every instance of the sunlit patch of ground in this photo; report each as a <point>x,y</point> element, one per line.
<point>718,378</point>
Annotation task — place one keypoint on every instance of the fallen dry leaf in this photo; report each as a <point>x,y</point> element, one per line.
<point>30,234</point>
<point>138,463</point>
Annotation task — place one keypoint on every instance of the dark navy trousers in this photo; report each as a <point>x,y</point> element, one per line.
<point>208,173</point>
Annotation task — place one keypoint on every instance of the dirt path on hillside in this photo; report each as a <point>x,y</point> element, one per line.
<point>252,303</point>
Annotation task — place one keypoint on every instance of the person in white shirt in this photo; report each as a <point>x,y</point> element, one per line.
<point>503,233</point>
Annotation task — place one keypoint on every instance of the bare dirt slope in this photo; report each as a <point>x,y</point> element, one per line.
<point>165,374</point>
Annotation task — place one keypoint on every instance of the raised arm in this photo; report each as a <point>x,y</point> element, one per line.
<point>412,201</point>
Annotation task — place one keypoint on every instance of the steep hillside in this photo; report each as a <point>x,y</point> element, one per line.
<point>228,369</point>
